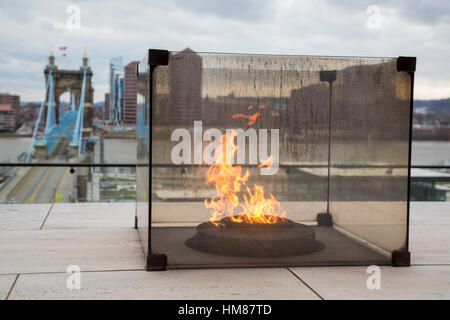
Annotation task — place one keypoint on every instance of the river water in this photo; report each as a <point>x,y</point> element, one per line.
<point>430,153</point>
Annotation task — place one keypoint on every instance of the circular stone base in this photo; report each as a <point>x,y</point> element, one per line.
<point>281,239</point>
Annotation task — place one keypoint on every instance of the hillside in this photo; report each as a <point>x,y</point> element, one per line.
<point>437,106</point>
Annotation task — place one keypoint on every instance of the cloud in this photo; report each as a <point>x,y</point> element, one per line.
<point>243,10</point>
<point>30,29</point>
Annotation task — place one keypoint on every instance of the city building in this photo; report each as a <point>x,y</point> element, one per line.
<point>106,108</point>
<point>130,94</point>
<point>116,90</point>
<point>7,118</point>
<point>14,101</point>
<point>185,74</point>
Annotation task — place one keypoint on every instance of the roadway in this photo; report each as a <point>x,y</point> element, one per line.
<point>39,184</point>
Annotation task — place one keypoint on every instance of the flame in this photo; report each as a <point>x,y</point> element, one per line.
<point>261,106</point>
<point>234,199</point>
<point>251,119</point>
<point>267,163</point>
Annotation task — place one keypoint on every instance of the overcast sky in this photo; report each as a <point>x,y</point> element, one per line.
<point>127,28</point>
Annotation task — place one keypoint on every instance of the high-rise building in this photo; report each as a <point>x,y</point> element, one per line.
<point>185,74</point>
<point>106,107</point>
<point>14,101</point>
<point>116,89</point>
<point>130,94</point>
<point>7,118</point>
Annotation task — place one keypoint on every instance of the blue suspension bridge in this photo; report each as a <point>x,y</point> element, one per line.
<point>69,126</point>
<point>59,132</point>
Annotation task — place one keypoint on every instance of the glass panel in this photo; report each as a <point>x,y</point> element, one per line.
<point>37,184</point>
<point>258,205</point>
<point>370,107</point>
<point>143,152</point>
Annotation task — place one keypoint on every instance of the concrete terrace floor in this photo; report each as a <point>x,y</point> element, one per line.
<point>39,242</point>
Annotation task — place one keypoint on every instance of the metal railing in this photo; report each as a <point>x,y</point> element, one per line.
<point>423,188</point>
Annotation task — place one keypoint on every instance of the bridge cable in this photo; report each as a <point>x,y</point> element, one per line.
<point>38,120</point>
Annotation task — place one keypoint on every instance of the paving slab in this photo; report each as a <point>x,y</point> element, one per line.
<point>430,245</point>
<point>429,233</point>
<point>54,250</point>
<point>91,215</point>
<point>240,284</point>
<point>23,216</point>
<point>417,282</point>
<point>99,237</point>
<point>6,282</point>
<point>431,213</point>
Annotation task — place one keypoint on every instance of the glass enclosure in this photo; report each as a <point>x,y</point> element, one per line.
<point>265,160</point>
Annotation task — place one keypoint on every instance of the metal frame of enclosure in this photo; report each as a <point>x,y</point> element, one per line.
<point>336,154</point>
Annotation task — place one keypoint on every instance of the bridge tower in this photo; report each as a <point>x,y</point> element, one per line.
<point>71,80</point>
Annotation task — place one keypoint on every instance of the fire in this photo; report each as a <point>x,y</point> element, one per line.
<point>251,119</point>
<point>268,162</point>
<point>235,199</point>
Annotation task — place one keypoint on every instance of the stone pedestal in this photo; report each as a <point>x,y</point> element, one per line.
<point>95,187</point>
<point>82,183</point>
<point>40,151</point>
<point>88,115</point>
<point>73,151</point>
